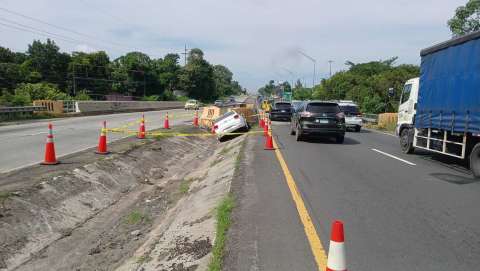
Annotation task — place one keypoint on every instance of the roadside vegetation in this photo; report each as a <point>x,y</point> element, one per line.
<point>224,211</point>
<point>365,83</point>
<point>44,72</point>
<point>136,217</point>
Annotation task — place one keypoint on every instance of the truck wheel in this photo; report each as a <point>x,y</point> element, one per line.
<point>475,161</point>
<point>357,128</point>
<point>406,141</point>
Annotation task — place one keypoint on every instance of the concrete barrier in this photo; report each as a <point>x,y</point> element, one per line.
<point>125,106</point>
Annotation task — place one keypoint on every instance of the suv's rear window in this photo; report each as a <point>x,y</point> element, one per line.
<point>283,105</point>
<point>322,108</point>
<point>349,109</point>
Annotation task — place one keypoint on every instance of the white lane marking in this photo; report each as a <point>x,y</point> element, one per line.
<point>394,157</point>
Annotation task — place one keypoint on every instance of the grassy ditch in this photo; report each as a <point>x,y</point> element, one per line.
<point>136,217</point>
<point>223,217</point>
<point>224,211</point>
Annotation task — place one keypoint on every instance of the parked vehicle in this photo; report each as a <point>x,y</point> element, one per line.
<point>192,104</point>
<point>281,111</point>
<point>318,118</point>
<point>296,104</point>
<point>440,111</point>
<point>218,103</point>
<point>353,117</point>
<point>228,123</point>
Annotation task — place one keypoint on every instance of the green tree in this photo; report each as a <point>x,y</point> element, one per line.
<point>47,60</point>
<point>466,18</point>
<point>91,71</point>
<point>197,77</point>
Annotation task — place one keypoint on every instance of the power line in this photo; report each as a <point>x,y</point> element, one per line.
<point>57,27</point>
<point>34,32</point>
<point>102,11</point>
<point>39,30</point>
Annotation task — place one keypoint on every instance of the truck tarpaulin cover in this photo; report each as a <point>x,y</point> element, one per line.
<point>449,96</point>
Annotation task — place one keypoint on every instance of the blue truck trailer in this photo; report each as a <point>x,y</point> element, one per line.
<point>440,111</point>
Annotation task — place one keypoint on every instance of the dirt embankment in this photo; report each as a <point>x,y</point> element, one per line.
<point>148,206</point>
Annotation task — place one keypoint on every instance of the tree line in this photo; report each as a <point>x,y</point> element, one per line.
<point>44,72</point>
<point>367,84</point>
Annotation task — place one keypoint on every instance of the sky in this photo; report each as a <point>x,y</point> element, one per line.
<point>257,40</point>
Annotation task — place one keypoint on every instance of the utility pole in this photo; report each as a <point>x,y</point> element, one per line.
<point>144,85</point>
<point>74,82</point>
<point>314,65</point>
<point>185,54</point>
<point>330,63</point>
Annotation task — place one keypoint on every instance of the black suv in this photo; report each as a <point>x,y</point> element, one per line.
<point>318,118</point>
<point>281,111</point>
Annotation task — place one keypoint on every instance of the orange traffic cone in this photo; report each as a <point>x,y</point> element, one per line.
<point>195,119</point>
<point>265,129</point>
<point>50,158</point>
<point>336,251</point>
<point>141,130</point>
<point>166,124</point>
<point>102,141</point>
<point>261,122</point>
<point>269,140</point>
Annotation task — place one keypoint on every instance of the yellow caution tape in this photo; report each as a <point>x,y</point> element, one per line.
<point>116,130</point>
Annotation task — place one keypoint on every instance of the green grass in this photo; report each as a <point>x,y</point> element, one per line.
<point>226,150</point>
<point>224,211</point>
<point>185,185</point>
<point>4,196</point>
<point>136,217</point>
<point>143,259</point>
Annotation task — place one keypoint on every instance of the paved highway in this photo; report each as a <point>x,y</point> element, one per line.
<point>401,212</point>
<point>23,144</point>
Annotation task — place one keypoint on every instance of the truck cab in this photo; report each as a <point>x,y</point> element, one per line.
<point>408,105</point>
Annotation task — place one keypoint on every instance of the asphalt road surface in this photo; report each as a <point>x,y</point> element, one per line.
<point>401,212</point>
<point>23,144</point>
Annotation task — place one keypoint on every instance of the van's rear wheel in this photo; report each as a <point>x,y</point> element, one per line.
<point>475,161</point>
<point>406,141</point>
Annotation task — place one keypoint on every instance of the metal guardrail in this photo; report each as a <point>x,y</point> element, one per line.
<point>21,109</point>
<point>372,118</point>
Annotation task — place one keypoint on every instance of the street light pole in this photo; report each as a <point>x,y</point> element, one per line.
<point>330,63</point>
<point>314,65</point>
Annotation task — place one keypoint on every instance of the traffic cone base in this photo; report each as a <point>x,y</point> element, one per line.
<point>166,123</point>
<point>102,141</point>
<point>141,129</point>
<point>50,157</point>
<point>269,143</point>
<point>50,163</point>
<point>336,251</point>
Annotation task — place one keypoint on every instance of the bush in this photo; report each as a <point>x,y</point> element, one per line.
<point>41,91</point>
<point>151,98</point>
<point>7,99</point>
<point>82,95</point>
<point>182,98</point>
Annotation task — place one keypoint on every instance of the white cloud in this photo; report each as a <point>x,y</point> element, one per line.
<point>254,38</point>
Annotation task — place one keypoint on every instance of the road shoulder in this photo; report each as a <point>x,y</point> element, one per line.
<point>266,232</point>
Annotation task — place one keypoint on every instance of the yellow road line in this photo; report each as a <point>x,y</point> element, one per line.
<point>312,236</point>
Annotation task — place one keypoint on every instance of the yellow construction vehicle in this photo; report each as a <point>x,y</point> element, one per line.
<point>266,106</point>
